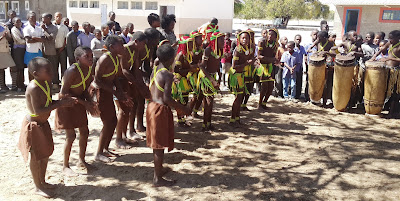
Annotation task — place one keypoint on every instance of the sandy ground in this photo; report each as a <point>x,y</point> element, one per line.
<point>294,151</point>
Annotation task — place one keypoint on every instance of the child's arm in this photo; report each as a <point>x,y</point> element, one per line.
<point>313,45</point>
<point>387,45</point>
<point>235,64</point>
<point>179,66</point>
<point>38,105</point>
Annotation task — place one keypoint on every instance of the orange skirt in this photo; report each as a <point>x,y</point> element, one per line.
<point>160,127</point>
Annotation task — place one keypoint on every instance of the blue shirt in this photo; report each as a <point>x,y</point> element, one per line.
<point>310,53</point>
<point>301,51</point>
<point>84,40</point>
<point>291,60</point>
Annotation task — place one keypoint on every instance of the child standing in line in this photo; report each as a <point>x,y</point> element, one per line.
<point>290,60</point>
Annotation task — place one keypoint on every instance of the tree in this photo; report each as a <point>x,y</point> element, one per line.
<point>254,9</point>
<point>238,8</point>
<point>286,9</point>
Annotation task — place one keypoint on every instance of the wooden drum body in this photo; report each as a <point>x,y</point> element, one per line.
<point>316,77</point>
<point>375,84</point>
<point>342,81</point>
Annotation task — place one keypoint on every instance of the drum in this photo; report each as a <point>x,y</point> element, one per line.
<point>342,81</point>
<point>316,77</point>
<point>375,84</point>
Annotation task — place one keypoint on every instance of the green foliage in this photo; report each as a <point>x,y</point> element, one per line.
<point>238,8</point>
<point>285,8</point>
<point>254,9</point>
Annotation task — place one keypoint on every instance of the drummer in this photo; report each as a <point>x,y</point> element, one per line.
<point>392,62</point>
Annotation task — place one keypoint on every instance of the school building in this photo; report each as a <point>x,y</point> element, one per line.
<point>366,15</point>
<point>190,14</point>
<point>21,7</point>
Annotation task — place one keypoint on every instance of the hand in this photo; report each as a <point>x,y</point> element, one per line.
<point>350,54</point>
<point>187,111</point>
<point>93,108</point>
<point>251,61</point>
<point>69,101</point>
<point>127,100</point>
<point>215,84</point>
<point>43,26</point>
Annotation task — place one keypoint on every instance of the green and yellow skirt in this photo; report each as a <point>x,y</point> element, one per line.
<point>264,72</point>
<point>180,89</point>
<point>205,84</point>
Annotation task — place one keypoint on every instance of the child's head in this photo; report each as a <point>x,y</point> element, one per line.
<point>272,34</point>
<point>75,26</point>
<point>382,45</point>
<point>140,39</point>
<point>345,37</point>
<point>86,27</point>
<point>153,37</point>
<point>154,20</point>
<point>394,37</point>
<point>105,30</point>
<point>168,22</point>
<point>111,15</point>
<point>369,37</point>
<point>198,39</point>
<point>314,34</point>
<point>244,39</point>
<point>322,35</point>
<point>41,69</point>
<point>125,30</point>
<point>214,21</point>
<point>46,18</point>
<point>237,32</point>
<point>324,25</point>
<point>332,37</point>
<point>359,40</point>
<point>166,54</point>
<point>97,34</point>
<point>17,22</point>
<point>131,27</point>
<point>352,36</point>
<point>92,28</point>
<point>297,39</point>
<point>264,33</point>
<point>110,25</point>
<point>283,41</point>
<point>228,35</point>
<point>65,21</point>
<point>84,56</point>
<point>114,44</point>
<point>290,46</point>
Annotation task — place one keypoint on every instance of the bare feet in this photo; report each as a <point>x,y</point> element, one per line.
<point>110,154</point>
<point>141,129</point>
<point>245,109</point>
<point>43,193</point>
<point>122,144</point>
<point>135,136</point>
<point>69,172</point>
<point>262,107</point>
<point>102,158</point>
<point>48,186</point>
<point>163,182</point>
<point>84,165</point>
<point>195,115</point>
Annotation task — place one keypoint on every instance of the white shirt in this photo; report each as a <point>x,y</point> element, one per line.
<point>33,32</point>
<point>61,35</point>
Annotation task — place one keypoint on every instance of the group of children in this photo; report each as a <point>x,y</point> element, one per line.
<point>144,68</point>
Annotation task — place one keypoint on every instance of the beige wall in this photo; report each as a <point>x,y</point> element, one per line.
<point>369,20</point>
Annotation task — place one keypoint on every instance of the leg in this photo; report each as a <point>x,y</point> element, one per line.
<point>293,87</point>
<point>83,138</point>
<point>263,92</point>
<point>237,115</point>
<point>139,115</point>
<point>158,169</point>
<point>122,124</point>
<point>132,116</point>
<point>43,168</point>
<point>249,87</point>
<point>299,83</point>
<point>3,87</point>
<point>35,167</point>
<point>104,141</point>
<point>21,79</point>
<point>14,78</point>
<point>270,88</point>
<point>199,101</point>
<point>285,82</point>
<point>62,58</point>
<point>69,140</point>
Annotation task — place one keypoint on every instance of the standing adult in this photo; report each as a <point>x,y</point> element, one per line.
<point>85,37</point>
<point>5,56</point>
<point>18,53</point>
<point>65,21</point>
<point>61,42</point>
<point>72,41</point>
<point>33,35</point>
<point>13,71</point>
<point>117,27</point>
<point>168,25</point>
<point>50,32</point>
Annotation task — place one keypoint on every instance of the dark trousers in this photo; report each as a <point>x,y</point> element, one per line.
<point>299,83</point>
<point>54,63</point>
<point>62,60</point>
<point>278,88</point>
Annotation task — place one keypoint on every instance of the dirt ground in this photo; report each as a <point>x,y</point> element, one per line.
<point>293,151</point>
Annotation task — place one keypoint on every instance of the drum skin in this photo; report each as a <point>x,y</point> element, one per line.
<point>316,78</point>
<point>375,85</point>
<point>342,82</point>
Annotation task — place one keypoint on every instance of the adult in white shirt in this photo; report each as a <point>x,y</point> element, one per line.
<point>33,35</point>
<point>61,42</point>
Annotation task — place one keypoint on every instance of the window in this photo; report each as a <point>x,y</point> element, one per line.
<point>2,8</point>
<point>389,15</point>
<point>122,5</point>
<point>94,4</point>
<point>27,5</point>
<point>83,4</point>
<point>73,4</point>
<point>137,5</point>
<point>151,5</point>
<point>15,6</point>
